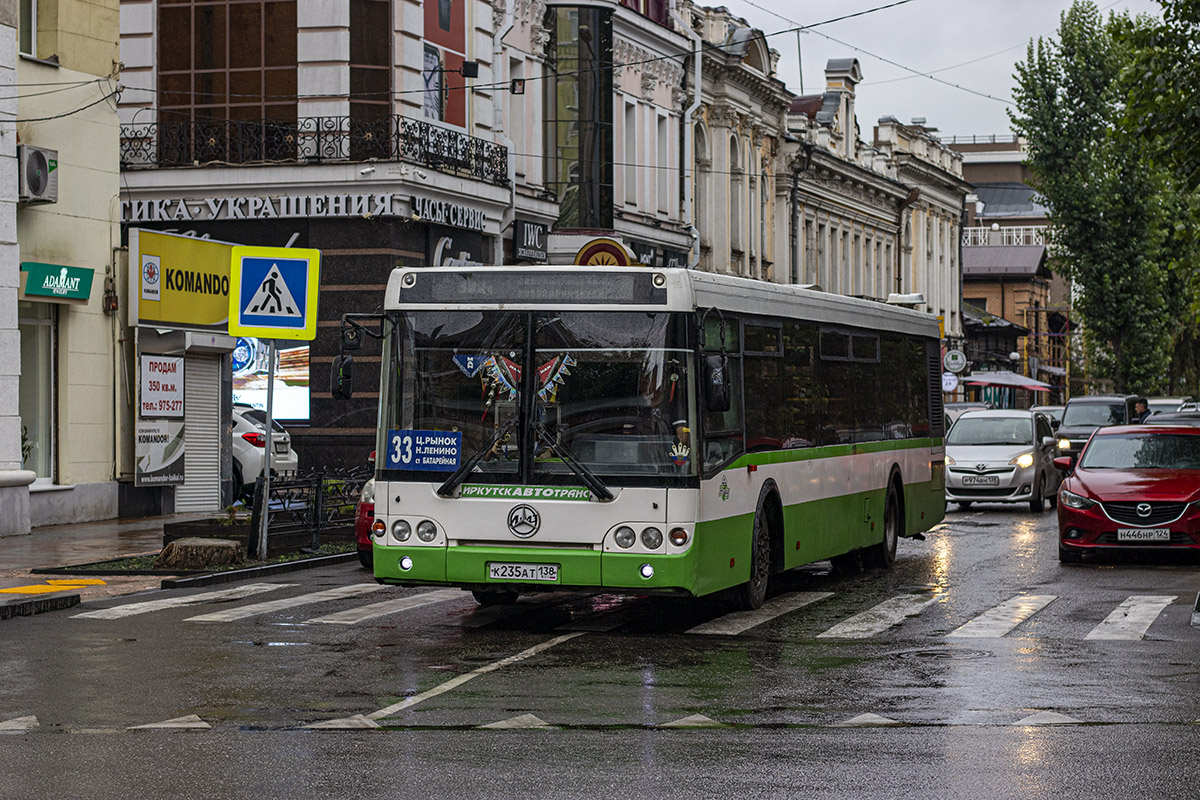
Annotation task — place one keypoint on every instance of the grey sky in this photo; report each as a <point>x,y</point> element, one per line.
<point>924,35</point>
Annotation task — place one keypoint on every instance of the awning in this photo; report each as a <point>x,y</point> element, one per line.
<point>1006,378</point>
<point>1052,370</point>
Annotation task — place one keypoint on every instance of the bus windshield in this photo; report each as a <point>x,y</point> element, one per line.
<point>609,395</point>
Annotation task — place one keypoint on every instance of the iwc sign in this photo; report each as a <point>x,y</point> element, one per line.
<point>523,521</point>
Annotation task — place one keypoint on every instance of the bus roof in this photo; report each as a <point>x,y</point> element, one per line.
<point>569,288</point>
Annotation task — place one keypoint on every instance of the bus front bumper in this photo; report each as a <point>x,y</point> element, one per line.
<point>469,567</point>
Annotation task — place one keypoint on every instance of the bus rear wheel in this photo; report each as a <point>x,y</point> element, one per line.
<point>753,593</point>
<point>495,597</point>
<point>883,555</point>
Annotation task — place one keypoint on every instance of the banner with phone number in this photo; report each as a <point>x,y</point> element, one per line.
<point>435,451</point>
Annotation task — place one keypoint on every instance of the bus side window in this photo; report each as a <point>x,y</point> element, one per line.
<point>723,431</point>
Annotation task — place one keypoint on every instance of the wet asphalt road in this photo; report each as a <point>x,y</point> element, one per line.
<point>602,674</point>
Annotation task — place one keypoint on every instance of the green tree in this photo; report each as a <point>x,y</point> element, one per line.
<point>1164,89</point>
<point>1105,197</point>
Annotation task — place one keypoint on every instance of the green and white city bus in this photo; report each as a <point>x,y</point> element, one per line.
<point>652,431</point>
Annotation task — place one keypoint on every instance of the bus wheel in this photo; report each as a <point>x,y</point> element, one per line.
<point>495,597</point>
<point>883,555</point>
<point>751,594</point>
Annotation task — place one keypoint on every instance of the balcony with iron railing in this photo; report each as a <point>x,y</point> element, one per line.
<point>312,140</point>
<point>1004,237</point>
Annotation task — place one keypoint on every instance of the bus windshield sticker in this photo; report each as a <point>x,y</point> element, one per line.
<point>552,374</point>
<point>528,492</point>
<point>680,453</point>
<point>434,451</point>
<point>506,373</point>
<point>724,490</point>
<point>470,365</point>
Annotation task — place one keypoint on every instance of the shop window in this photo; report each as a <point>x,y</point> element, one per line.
<point>36,407</point>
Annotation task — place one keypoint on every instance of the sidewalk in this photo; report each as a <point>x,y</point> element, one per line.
<point>81,543</point>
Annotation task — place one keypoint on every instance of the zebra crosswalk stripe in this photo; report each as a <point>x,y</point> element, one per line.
<point>741,621</point>
<point>998,621</point>
<point>132,609</point>
<point>878,619</point>
<point>1133,618</point>
<point>336,593</point>
<point>353,615</point>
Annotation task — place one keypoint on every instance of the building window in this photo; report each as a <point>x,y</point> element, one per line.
<point>370,79</point>
<point>664,173</point>
<point>629,156</point>
<point>227,61</point>
<point>701,181</point>
<point>579,115</point>
<point>764,193</point>
<point>36,322</point>
<point>27,33</point>
<point>735,208</point>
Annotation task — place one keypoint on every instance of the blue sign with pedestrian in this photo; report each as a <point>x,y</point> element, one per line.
<point>273,292</point>
<point>434,451</point>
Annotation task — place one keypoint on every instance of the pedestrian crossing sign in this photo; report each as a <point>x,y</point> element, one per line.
<point>273,292</point>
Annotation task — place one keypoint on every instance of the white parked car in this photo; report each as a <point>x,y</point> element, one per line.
<point>249,448</point>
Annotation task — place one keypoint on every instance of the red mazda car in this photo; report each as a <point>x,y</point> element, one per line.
<point>1134,486</point>
<point>364,517</point>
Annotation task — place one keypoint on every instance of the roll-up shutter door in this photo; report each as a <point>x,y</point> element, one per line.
<point>201,489</point>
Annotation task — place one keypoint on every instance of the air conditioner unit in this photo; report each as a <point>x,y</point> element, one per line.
<point>38,174</point>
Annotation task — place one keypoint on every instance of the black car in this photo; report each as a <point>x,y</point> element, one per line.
<point>1083,415</point>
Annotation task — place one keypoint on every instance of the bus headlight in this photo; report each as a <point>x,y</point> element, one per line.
<point>405,563</point>
<point>426,531</point>
<point>646,571</point>
<point>401,530</point>
<point>652,538</point>
<point>678,536</point>
<point>624,537</point>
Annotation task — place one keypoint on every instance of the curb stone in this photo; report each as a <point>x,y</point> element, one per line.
<point>28,606</point>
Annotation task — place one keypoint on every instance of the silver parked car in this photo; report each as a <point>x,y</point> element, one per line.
<point>1002,456</point>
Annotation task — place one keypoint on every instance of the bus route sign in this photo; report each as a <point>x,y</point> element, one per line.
<point>439,451</point>
<point>273,292</point>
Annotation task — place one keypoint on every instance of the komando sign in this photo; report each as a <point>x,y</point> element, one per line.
<point>179,282</point>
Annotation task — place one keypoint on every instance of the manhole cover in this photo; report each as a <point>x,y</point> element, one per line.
<point>942,654</point>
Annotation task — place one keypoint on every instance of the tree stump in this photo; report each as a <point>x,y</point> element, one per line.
<point>196,553</point>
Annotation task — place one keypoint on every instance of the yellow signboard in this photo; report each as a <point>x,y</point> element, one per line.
<point>178,281</point>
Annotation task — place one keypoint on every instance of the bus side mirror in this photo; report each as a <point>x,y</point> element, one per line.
<point>717,393</point>
<point>342,378</point>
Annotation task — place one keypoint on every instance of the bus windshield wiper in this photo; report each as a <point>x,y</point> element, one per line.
<point>447,488</point>
<point>586,475</point>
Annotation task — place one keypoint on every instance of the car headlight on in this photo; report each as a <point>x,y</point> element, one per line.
<point>1064,444</point>
<point>1024,461</point>
<point>426,531</point>
<point>949,461</point>
<point>1072,500</point>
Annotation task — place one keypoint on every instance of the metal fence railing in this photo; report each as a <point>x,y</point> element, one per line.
<point>302,508</point>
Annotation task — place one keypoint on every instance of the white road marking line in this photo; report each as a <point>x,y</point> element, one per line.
<point>336,593</point>
<point>455,682</point>
<point>354,615</point>
<point>190,722</point>
<point>19,725</point>
<point>1133,618</point>
<point>878,619</point>
<point>130,609</point>
<point>741,621</point>
<point>524,722</point>
<point>998,621</point>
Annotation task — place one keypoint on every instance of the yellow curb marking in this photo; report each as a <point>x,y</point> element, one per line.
<point>55,585</point>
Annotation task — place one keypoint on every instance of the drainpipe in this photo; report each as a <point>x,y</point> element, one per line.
<point>795,216</point>
<point>689,141</point>
<point>499,112</point>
